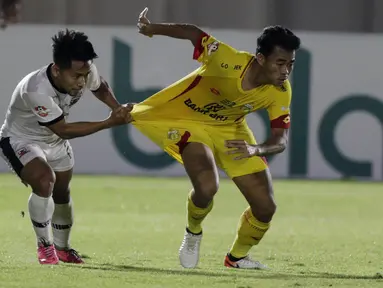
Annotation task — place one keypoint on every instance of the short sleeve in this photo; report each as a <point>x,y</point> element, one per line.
<point>94,80</point>
<point>43,107</point>
<point>209,49</point>
<point>279,110</point>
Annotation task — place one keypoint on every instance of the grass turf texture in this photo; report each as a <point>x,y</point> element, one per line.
<point>325,234</point>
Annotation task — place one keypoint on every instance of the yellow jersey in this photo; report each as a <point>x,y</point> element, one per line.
<point>213,94</point>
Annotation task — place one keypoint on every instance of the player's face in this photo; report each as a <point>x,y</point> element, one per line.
<point>74,79</point>
<point>279,65</point>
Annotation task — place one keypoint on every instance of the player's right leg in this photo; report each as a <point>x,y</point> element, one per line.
<point>28,161</point>
<point>255,220</point>
<point>200,166</point>
<point>253,179</point>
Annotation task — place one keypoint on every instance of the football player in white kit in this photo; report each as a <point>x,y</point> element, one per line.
<point>35,132</point>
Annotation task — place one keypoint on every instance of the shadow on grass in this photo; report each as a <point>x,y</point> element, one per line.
<point>269,274</point>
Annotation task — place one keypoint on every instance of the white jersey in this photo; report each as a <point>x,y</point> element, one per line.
<point>35,104</point>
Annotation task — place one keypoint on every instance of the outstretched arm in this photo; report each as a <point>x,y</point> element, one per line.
<point>180,31</point>
<point>50,115</point>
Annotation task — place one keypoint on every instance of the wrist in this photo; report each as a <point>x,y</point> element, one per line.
<point>107,123</point>
<point>259,150</point>
<point>152,28</point>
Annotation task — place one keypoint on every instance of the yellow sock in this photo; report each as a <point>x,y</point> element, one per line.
<point>250,232</point>
<point>196,216</point>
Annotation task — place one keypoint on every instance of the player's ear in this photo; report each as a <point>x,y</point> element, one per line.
<point>261,59</point>
<point>55,70</point>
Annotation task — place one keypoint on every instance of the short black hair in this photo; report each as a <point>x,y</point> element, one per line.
<point>71,45</point>
<point>273,36</point>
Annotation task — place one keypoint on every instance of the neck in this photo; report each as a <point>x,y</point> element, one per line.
<point>255,75</point>
<point>54,81</point>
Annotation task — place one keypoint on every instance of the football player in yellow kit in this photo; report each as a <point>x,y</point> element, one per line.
<point>200,121</point>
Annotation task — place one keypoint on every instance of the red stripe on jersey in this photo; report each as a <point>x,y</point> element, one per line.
<point>190,87</point>
<point>183,142</point>
<point>281,122</point>
<point>198,49</point>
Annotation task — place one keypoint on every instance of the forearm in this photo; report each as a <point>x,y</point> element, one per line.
<point>80,129</point>
<point>272,146</point>
<point>179,31</point>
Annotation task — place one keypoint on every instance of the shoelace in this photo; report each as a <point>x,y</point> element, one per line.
<point>74,253</point>
<point>248,260</point>
<point>192,243</point>
<point>49,251</point>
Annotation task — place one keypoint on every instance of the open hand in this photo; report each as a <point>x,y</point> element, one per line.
<point>242,148</point>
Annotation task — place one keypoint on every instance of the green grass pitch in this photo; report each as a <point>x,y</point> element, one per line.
<point>325,234</point>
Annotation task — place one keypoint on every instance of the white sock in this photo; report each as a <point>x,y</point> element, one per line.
<point>62,222</point>
<point>41,211</point>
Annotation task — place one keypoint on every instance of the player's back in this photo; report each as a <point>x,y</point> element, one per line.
<point>213,93</point>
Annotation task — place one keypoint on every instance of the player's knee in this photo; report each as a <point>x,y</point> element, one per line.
<point>264,212</point>
<point>44,183</point>
<point>207,188</point>
<point>204,192</point>
<point>40,176</point>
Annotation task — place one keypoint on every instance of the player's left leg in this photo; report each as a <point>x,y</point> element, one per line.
<point>62,220</point>
<point>255,220</point>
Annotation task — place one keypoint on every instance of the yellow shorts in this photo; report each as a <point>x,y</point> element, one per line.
<point>173,136</point>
